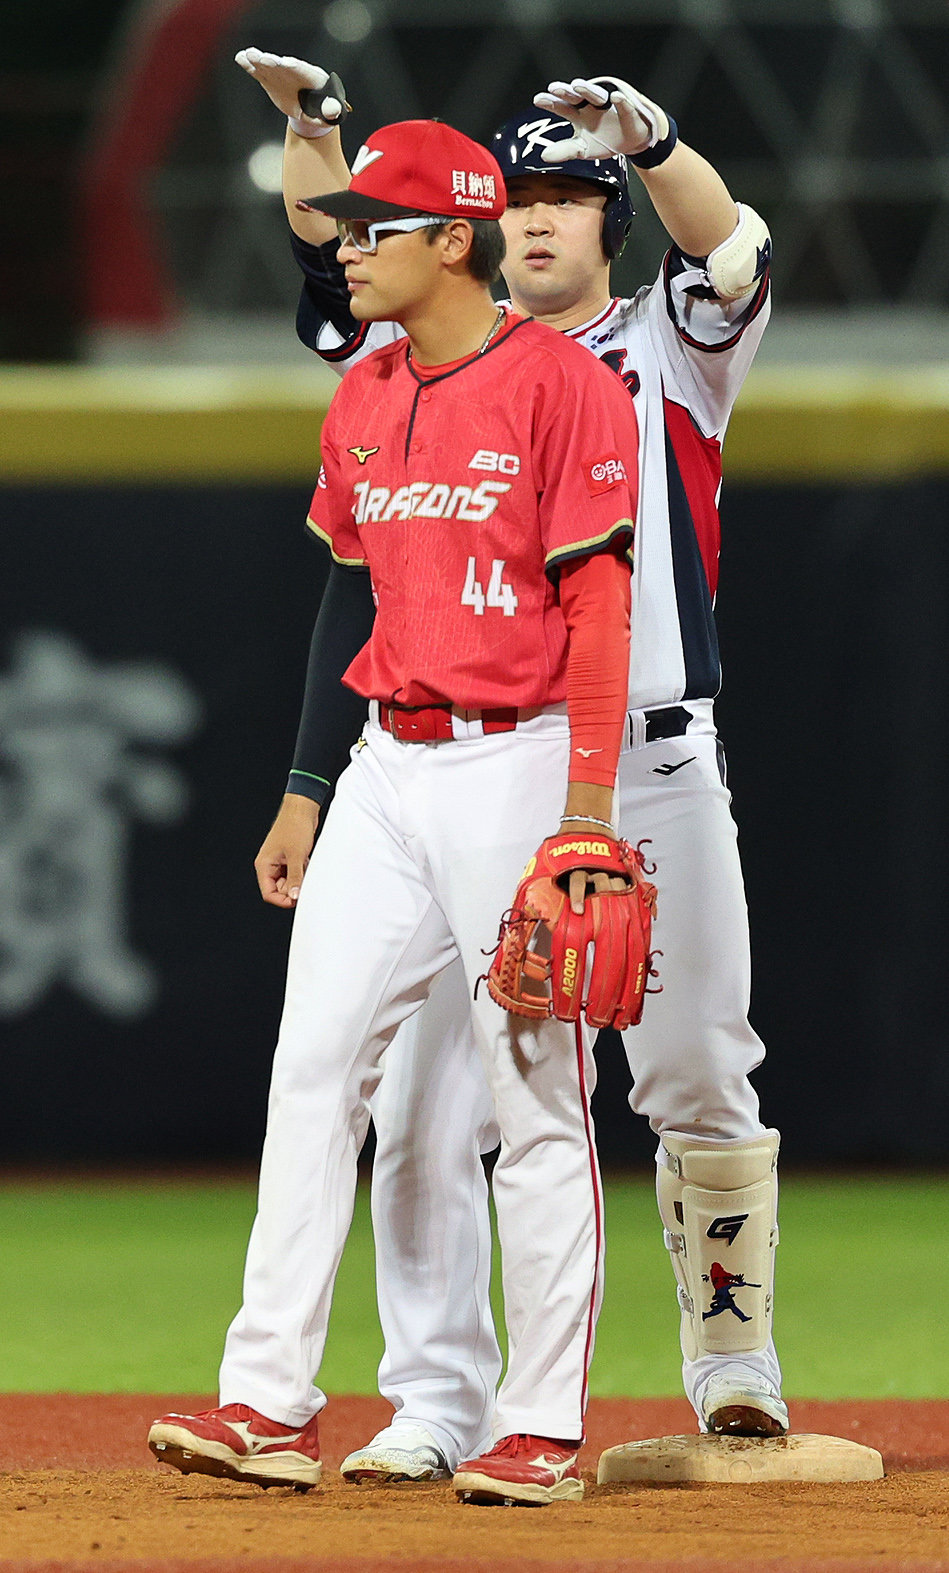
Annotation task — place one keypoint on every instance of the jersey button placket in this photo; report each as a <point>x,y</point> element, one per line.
<point>416,445</point>
<point>412,543</point>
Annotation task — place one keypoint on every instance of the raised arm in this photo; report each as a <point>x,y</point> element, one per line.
<point>688,194</point>
<point>313,161</point>
<point>691,200</point>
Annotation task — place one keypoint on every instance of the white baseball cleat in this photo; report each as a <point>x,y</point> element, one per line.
<point>401,1452</point>
<point>740,1403</point>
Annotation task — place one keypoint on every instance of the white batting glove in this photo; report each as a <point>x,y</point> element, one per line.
<point>283,78</point>
<point>609,117</point>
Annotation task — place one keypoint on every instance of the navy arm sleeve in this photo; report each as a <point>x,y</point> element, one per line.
<point>332,716</point>
<point>324,297</point>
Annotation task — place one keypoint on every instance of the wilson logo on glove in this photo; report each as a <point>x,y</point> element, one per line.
<point>540,967</point>
<point>596,849</point>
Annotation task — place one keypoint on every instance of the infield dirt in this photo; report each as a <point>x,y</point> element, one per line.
<point>79,1491</point>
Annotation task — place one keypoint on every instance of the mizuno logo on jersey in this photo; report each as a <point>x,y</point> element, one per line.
<point>426,500</point>
<point>601,474</point>
<point>362,454</point>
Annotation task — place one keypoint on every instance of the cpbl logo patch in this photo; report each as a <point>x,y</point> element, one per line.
<point>601,474</point>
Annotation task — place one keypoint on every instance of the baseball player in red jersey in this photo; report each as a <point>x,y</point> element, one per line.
<point>682,347</point>
<point>477,467</point>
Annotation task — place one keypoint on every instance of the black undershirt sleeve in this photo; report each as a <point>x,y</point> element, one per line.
<point>332,716</point>
<point>324,297</point>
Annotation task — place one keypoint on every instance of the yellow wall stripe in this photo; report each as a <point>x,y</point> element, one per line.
<point>82,424</point>
<point>165,424</point>
<point>840,424</point>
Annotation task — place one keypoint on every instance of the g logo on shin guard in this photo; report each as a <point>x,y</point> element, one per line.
<point>726,1229</point>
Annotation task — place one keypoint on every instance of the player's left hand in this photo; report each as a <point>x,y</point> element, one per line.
<point>584,882</point>
<point>595,956</point>
<point>608,116</point>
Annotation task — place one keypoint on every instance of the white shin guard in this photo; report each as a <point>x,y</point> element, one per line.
<point>718,1203</point>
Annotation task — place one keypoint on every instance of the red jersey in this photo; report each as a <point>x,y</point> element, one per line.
<point>461,492</point>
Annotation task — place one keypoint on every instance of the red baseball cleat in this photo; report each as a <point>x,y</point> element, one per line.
<point>529,1469</point>
<point>239,1444</point>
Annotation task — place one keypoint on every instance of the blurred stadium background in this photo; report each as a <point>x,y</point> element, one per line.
<point>158,442</point>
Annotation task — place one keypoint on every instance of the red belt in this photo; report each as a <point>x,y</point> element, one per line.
<point>432,724</point>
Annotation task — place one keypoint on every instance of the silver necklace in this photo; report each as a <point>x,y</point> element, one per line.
<point>494,329</point>
<point>498,321</point>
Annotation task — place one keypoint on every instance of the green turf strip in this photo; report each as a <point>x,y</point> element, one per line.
<point>128,1287</point>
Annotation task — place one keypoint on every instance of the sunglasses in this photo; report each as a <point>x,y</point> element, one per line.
<point>366,237</point>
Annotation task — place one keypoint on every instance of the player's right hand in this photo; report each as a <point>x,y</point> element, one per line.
<point>282,78</point>
<point>281,862</point>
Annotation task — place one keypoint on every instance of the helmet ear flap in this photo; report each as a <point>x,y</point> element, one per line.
<point>617,220</point>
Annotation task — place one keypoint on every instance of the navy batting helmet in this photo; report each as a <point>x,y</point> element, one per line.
<point>518,145</point>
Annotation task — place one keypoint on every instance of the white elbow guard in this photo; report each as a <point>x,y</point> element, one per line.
<point>735,267</point>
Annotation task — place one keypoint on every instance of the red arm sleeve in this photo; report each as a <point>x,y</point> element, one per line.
<point>595,600</point>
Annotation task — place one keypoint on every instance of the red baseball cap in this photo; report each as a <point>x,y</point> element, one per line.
<point>419,166</point>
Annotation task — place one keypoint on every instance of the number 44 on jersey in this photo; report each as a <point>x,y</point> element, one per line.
<point>498,594</point>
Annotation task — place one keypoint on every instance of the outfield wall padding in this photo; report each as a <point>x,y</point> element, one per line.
<point>147,811</point>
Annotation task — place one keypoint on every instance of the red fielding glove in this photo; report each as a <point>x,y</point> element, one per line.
<point>540,967</point>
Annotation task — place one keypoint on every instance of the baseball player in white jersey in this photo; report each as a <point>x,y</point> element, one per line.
<point>496,525</point>
<point>682,346</point>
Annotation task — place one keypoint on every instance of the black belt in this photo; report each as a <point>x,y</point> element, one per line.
<point>672,721</point>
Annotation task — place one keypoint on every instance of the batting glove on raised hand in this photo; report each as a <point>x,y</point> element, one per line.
<point>313,100</point>
<point>609,117</point>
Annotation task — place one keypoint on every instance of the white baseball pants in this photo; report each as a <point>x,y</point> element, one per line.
<point>420,855</point>
<point>690,1058</point>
